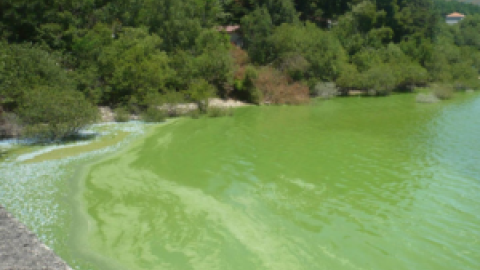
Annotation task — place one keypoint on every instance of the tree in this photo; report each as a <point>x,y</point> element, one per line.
<point>53,113</point>
<point>322,51</point>
<point>134,68</point>
<point>200,91</point>
<point>213,61</point>
<point>25,66</point>
<point>469,32</point>
<point>257,27</point>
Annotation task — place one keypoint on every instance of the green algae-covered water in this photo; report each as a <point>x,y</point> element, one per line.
<point>355,183</point>
<point>377,183</point>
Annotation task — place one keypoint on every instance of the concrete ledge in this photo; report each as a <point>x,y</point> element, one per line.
<point>20,249</point>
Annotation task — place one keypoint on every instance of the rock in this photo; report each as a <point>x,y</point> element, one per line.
<point>106,114</point>
<point>21,249</point>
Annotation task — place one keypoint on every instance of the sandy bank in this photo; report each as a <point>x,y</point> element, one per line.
<point>108,115</point>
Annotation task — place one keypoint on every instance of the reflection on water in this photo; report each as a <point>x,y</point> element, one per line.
<point>348,184</point>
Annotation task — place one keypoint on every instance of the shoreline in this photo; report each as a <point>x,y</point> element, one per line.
<point>15,238</point>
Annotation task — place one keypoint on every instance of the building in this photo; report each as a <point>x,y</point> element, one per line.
<point>454,18</point>
<point>234,32</point>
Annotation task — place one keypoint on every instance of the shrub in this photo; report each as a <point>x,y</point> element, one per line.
<point>411,75</point>
<point>121,114</point>
<point>9,125</point>
<point>349,78</point>
<point>427,98</point>
<point>325,90</point>
<point>293,65</point>
<point>200,91</point>
<point>380,80</point>
<point>170,102</point>
<point>246,87</point>
<point>53,113</point>
<point>241,60</point>
<point>153,115</point>
<point>195,114</point>
<point>219,112</point>
<point>443,91</point>
<point>276,89</point>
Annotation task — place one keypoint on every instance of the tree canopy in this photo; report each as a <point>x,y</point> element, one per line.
<point>137,53</point>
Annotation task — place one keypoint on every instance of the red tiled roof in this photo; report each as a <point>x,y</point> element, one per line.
<point>455,15</point>
<point>229,28</point>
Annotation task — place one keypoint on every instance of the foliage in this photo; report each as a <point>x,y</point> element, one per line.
<point>318,53</point>
<point>53,113</point>
<point>380,80</point>
<point>443,91</point>
<point>257,27</point>
<point>275,88</point>
<point>170,101</point>
<point>200,92</point>
<point>246,88</point>
<point>9,125</point>
<point>325,90</point>
<point>153,115</point>
<point>121,114</point>
<point>219,112</point>
<point>195,114</point>
<point>142,54</point>
<point>23,67</point>
<point>134,68</point>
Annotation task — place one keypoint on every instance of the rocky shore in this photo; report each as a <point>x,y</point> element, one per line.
<point>20,249</point>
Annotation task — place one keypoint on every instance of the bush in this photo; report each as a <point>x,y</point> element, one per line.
<point>200,91</point>
<point>380,80</point>
<point>195,114</point>
<point>153,115</point>
<point>276,89</point>
<point>219,112</point>
<point>53,113</point>
<point>24,67</point>
<point>325,90</point>
<point>122,114</point>
<point>443,91</point>
<point>293,65</point>
<point>9,125</point>
<point>246,87</point>
<point>170,102</point>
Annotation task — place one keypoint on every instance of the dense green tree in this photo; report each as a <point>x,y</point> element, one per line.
<point>468,33</point>
<point>53,113</point>
<point>257,27</point>
<point>321,50</point>
<point>134,68</point>
<point>23,67</point>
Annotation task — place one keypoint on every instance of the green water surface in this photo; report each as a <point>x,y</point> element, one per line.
<point>358,183</point>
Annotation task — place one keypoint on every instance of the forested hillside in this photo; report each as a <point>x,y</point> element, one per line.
<point>141,53</point>
<point>467,7</point>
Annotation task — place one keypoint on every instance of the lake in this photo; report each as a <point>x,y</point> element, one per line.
<point>349,183</point>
